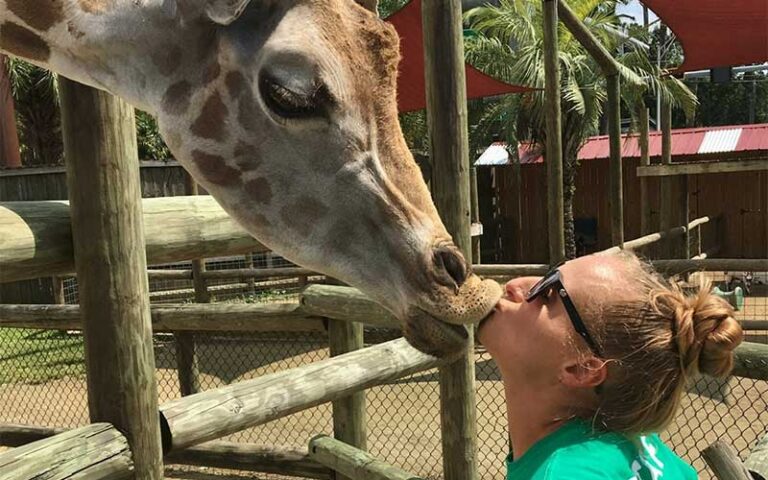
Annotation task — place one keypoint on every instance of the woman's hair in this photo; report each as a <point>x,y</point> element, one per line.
<point>656,335</point>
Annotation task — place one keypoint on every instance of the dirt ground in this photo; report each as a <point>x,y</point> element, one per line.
<point>403,417</point>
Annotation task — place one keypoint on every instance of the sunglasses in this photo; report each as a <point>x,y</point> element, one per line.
<point>552,281</point>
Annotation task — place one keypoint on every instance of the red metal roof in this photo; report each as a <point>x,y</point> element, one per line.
<point>685,142</point>
<point>411,86</point>
<point>716,33</point>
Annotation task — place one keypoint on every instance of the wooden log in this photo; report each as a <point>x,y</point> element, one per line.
<point>652,238</point>
<point>215,413</point>
<point>252,458</point>
<point>699,168</point>
<point>215,317</point>
<point>345,303</point>
<point>169,274</point>
<point>108,243</point>
<point>757,461</point>
<point>554,140</point>
<point>615,178</point>
<point>591,44</point>
<point>671,267</point>
<point>349,420</point>
<point>37,236</point>
<point>751,361</point>
<point>511,270</point>
<point>724,462</point>
<point>352,462</point>
<point>95,452</point>
<point>13,435</point>
<point>257,273</point>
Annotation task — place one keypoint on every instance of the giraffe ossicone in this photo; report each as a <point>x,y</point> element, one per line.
<point>285,111</point>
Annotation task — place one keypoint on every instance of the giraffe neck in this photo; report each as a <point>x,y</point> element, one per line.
<point>90,41</point>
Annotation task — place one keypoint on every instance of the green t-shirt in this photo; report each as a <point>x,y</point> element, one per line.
<point>576,452</point>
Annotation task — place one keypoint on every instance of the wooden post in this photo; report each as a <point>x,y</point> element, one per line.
<point>724,462</point>
<point>9,136</point>
<point>108,236</point>
<point>674,193</point>
<point>251,289</point>
<point>474,213</point>
<point>554,149</point>
<point>646,219</point>
<point>449,141</point>
<point>349,425</point>
<point>616,199</point>
<point>57,284</point>
<point>187,367</point>
<point>517,206</point>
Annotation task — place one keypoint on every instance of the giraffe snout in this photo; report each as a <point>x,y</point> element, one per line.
<point>451,267</point>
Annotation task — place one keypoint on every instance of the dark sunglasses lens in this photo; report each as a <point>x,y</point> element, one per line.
<point>542,286</point>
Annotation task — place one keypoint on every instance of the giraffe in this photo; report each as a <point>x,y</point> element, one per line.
<point>285,112</point>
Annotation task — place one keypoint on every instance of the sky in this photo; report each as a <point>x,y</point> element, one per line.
<point>635,9</point>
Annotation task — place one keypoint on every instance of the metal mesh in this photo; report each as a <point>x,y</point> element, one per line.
<point>42,383</point>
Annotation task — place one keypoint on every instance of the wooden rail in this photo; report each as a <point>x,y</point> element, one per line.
<point>652,238</point>
<point>252,458</point>
<point>37,236</point>
<point>214,317</point>
<point>94,452</point>
<point>215,413</point>
<point>352,462</point>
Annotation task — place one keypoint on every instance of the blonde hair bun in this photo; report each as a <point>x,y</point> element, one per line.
<point>707,333</point>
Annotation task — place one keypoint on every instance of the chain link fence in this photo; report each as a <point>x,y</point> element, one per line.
<point>42,382</point>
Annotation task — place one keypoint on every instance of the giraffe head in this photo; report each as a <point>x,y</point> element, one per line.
<point>285,111</point>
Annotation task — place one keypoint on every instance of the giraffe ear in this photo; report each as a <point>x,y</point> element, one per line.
<point>225,12</point>
<point>371,5</point>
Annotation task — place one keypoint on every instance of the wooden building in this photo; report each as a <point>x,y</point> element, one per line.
<point>738,199</point>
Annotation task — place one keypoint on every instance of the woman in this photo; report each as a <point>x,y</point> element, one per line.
<point>594,357</point>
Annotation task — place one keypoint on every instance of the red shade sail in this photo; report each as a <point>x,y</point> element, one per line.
<point>716,33</point>
<point>410,85</point>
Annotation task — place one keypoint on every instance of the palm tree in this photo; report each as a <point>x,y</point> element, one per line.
<point>509,45</point>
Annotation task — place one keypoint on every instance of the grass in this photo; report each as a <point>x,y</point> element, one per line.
<point>37,356</point>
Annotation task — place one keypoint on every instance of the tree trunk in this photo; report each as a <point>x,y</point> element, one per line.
<point>570,163</point>
<point>9,138</point>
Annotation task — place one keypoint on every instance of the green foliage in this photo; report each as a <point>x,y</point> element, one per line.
<point>730,103</point>
<point>388,7</point>
<point>38,119</point>
<point>37,356</point>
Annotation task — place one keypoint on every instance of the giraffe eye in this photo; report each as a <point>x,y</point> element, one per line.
<point>290,104</point>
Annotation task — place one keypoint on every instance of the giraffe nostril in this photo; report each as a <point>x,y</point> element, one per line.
<point>451,266</point>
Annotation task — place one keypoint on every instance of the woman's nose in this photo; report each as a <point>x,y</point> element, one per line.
<point>515,292</point>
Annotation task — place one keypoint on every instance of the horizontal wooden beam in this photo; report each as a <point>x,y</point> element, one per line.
<point>37,236</point>
<point>215,413</point>
<point>14,435</point>
<point>510,270</point>
<point>93,452</point>
<point>213,317</point>
<point>258,273</point>
<point>253,458</point>
<point>352,462</point>
<point>703,167</point>
<point>656,237</point>
<point>345,303</point>
<point>672,267</point>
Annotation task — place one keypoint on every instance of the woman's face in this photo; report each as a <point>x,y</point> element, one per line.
<point>534,341</point>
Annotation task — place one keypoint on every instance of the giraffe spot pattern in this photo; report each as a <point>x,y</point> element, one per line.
<point>247,157</point>
<point>303,214</point>
<point>177,97</point>
<point>39,15</point>
<point>96,7</point>
<point>211,73</point>
<point>23,42</point>
<point>210,123</point>
<point>236,84</point>
<point>247,113</point>
<point>215,169</point>
<point>74,31</point>
<point>259,190</point>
